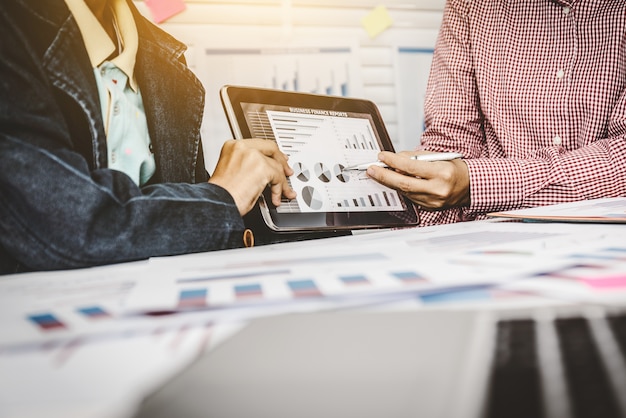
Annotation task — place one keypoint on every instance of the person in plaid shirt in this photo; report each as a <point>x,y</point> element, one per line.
<point>533,94</point>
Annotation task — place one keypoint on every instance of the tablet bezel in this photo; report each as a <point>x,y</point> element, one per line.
<point>232,98</point>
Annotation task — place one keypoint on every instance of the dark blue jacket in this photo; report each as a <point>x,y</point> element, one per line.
<point>60,207</point>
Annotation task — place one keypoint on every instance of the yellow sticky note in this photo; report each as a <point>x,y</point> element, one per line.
<point>376,21</point>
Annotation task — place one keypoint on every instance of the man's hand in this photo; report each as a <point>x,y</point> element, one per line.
<point>430,184</point>
<point>247,166</point>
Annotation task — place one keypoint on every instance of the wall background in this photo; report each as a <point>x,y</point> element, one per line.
<point>311,45</point>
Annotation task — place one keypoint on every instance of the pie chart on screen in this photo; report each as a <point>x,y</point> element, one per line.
<point>312,198</point>
<point>339,173</point>
<point>301,172</point>
<point>322,172</point>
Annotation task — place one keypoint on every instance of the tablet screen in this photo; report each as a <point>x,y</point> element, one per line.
<point>320,143</point>
<point>321,135</point>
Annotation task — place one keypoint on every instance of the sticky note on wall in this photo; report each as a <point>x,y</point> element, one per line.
<point>164,9</point>
<point>376,21</point>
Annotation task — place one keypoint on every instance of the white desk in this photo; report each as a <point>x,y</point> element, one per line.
<point>91,366</point>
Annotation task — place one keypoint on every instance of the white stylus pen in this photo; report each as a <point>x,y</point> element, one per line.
<point>435,156</point>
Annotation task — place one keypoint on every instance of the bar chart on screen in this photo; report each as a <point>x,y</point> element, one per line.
<point>320,143</point>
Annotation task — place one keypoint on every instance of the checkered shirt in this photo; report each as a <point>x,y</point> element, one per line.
<point>533,93</point>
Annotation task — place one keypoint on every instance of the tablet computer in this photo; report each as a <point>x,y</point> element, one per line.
<point>322,135</point>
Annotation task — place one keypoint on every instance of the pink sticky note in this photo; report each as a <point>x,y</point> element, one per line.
<point>617,281</point>
<point>164,9</point>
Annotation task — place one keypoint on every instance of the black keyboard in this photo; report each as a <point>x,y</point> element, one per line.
<point>584,357</point>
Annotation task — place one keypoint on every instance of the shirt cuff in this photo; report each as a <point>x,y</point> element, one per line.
<point>495,185</point>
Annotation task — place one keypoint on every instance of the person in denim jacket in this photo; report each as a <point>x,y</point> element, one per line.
<point>69,196</point>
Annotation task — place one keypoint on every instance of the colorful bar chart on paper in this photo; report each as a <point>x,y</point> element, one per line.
<point>193,298</point>
<point>304,288</point>
<point>408,277</point>
<point>47,322</point>
<point>94,312</point>
<point>354,280</point>
<point>247,291</point>
<point>468,295</point>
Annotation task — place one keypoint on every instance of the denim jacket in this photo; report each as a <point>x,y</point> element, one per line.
<point>60,207</point>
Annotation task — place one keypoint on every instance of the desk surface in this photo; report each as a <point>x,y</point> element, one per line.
<point>73,343</point>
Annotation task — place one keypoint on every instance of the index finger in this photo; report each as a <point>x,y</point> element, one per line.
<point>414,168</point>
<point>269,148</point>
<point>398,181</point>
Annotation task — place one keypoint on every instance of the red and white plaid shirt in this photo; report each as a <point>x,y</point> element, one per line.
<point>533,93</point>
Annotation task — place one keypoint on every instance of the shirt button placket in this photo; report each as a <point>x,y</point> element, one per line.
<point>560,74</point>
<point>556,139</point>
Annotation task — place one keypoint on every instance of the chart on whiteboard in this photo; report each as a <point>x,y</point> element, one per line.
<point>320,143</point>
